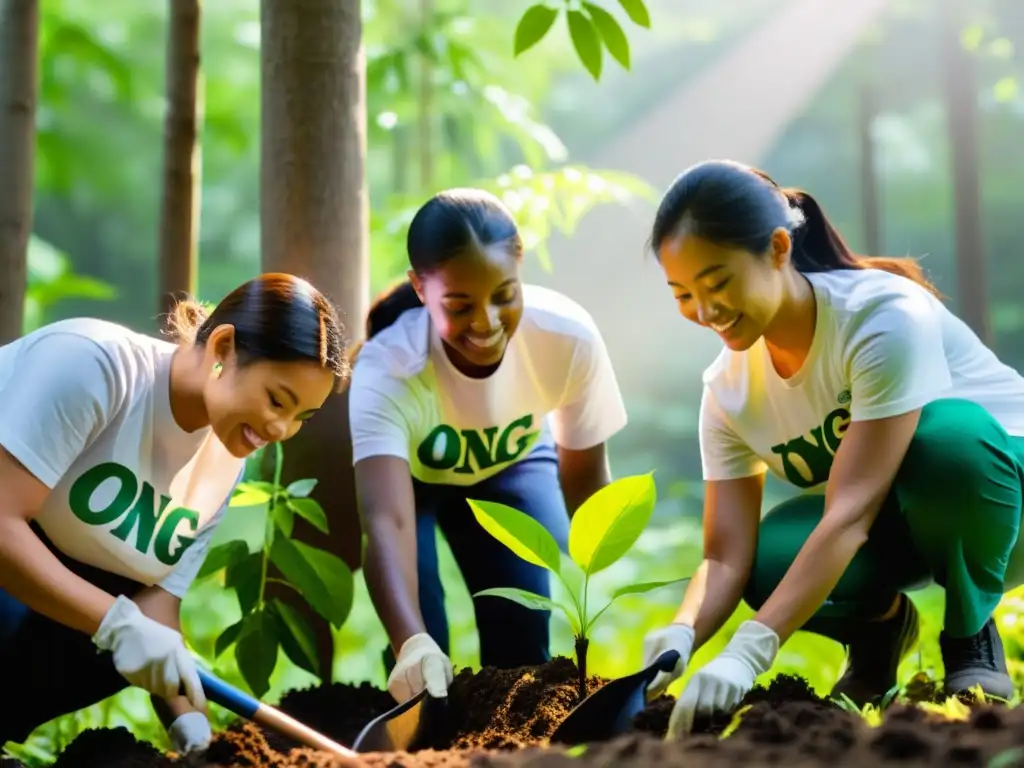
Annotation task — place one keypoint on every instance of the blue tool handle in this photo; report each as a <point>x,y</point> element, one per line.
<point>227,696</point>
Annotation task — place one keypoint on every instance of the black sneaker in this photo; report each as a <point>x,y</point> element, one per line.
<point>874,652</point>
<point>976,660</point>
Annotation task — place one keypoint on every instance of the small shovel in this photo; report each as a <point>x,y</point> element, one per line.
<point>609,711</point>
<point>404,728</point>
<point>244,705</point>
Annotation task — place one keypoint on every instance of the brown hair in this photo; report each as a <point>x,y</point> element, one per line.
<point>732,204</point>
<point>276,316</point>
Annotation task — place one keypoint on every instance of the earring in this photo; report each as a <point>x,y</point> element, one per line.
<point>217,370</point>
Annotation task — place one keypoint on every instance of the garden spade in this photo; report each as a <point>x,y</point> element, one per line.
<point>244,705</point>
<point>404,728</point>
<point>609,711</point>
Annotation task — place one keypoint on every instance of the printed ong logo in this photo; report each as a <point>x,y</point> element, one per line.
<point>807,459</point>
<point>139,509</point>
<point>448,448</point>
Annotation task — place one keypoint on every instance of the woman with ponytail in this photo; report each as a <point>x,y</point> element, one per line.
<point>471,385</point>
<point>849,379</point>
<point>118,455</point>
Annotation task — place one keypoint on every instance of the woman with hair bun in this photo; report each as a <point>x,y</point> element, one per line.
<point>119,453</point>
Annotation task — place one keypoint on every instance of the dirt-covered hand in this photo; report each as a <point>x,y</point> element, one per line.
<point>190,733</point>
<point>674,637</point>
<point>421,664</point>
<point>149,654</point>
<point>721,685</point>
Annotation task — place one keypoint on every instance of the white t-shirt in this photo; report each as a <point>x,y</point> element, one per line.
<point>85,407</point>
<point>408,400</point>
<point>883,346</point>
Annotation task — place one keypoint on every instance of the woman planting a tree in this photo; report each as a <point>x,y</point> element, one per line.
<point>118,454</point>
<point>849,379</point>
<point>471,385</point>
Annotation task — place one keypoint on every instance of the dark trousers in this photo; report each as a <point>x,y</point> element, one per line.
<point>53,669</point>
<point>510,635</point>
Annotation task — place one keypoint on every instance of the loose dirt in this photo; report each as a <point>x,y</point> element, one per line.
<point>503,718</point>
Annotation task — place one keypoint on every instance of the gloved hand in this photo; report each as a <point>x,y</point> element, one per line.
<point>674,637</point>
<point>421,664</point>
<point>190,732</point>
<point>722,683</point>
<point>148,654</point>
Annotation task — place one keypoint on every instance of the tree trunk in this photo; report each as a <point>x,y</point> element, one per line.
<point>19,91</point>
<point>869,172</point>
<point>315,224</point>
<point>425,105</point>
<point>962,120</point>
<point>182,166</point>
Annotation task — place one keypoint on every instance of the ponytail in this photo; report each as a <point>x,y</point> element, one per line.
<point>385,311</point>
<point>818,246</point>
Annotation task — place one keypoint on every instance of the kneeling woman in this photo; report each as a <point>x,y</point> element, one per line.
<point>118,454</point>
<point>850,380</point>
<point>471,385</point>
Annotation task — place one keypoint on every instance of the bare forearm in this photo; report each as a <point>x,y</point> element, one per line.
<point>33,575</point>
<point>392,581</point>
<point>813,575</point>
<point>711,597</point>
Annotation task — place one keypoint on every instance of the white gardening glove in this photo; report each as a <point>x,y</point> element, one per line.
<point>421,664</point>
<point>190,733</point>
<point>674,637</point>
<point>148,654</point>
<point>722,683</point>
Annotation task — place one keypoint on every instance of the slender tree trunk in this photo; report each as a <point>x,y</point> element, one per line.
<point>182,169</point>
<point>19,89</point>
<point>869,196</point>
<point>315,223</point>
<point>426,105</point>
<point>962,120</point>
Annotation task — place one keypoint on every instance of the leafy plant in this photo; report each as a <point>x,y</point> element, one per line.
<point>52,280</point>
<point>592,30</point>
<point>603,529</point>
<point>323,580</point>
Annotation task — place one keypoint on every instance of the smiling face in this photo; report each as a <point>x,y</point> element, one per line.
<point>734,292</point>
<point>476,302</point>
<point>264,401</point>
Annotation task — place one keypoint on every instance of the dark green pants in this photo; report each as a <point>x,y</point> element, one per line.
<point>952,518</point>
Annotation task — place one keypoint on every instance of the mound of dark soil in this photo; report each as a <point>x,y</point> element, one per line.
<point>503,718</point>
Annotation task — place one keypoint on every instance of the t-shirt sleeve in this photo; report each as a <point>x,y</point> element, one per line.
<point>376,421</point>
<point>61,393</point>
<point>592,409</point>
<point>179,581</point>
<point>896,360</point>
<point>723,455</point>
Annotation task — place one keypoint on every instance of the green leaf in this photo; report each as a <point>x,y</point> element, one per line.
<point>633,589</point>
<point>532,27</point>
<point>284,517</point>
<point>297,638</point>
<point>323,579</point>
<point>244,577</point>
<point>227,637</point>
<point>222,556</point>
<point>310,511</point>
<point>530,600</point>
<point>608,523</point>
<point>586,42</point>
<point>637,12</point>
<point>519,532</point>
<point>256,651</point>
<point>337,579</point>
<point>301,488</point>
<point>614,38</point>
<point>247,495</point>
